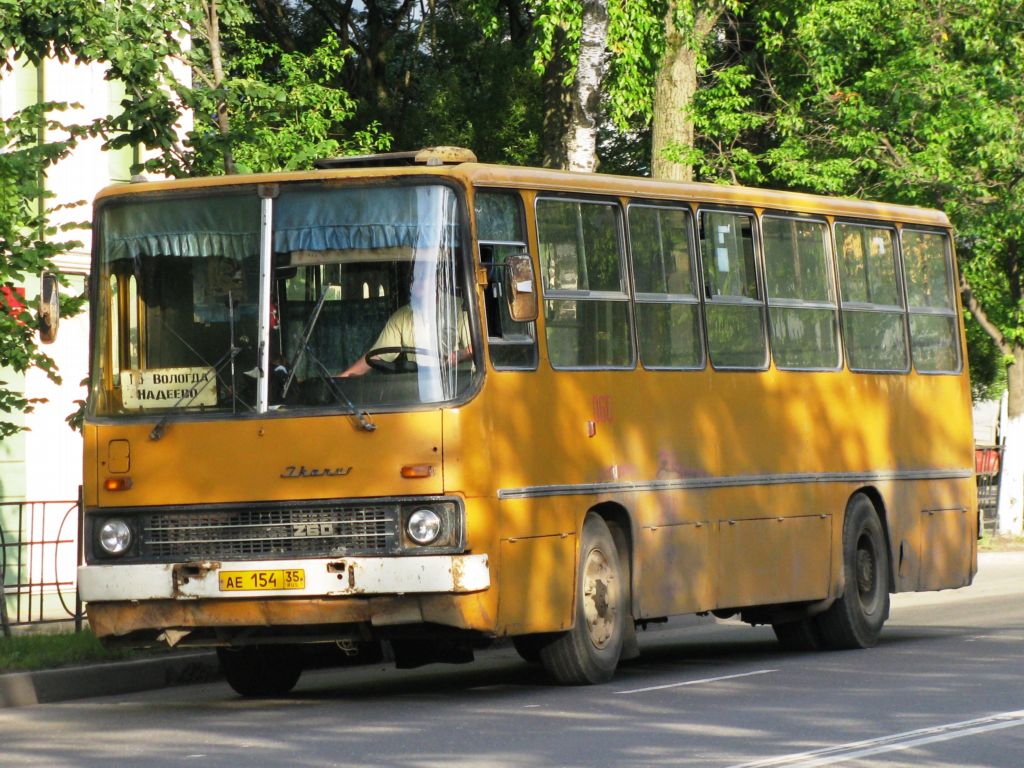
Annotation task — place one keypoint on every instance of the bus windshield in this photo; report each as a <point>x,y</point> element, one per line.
<point>364,302</point>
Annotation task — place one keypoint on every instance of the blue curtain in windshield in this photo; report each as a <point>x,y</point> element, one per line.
<point>312,219</point>
<point>221,225</point>
<point>368,218</point>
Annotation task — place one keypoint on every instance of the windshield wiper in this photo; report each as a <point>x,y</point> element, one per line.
<point>229,357</point>
<point>339,394</point>
<point>307,334</point>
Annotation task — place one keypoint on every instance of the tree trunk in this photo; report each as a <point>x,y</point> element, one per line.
<point>1010,519</point>
<point>557,105</point>
<point>581,136</point>
<point>675,85</point>
<point>1011,473</point>
<point>217,62</point>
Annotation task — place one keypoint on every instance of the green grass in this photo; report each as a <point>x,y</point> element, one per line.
<point>46,651</point>
<point>990,543</point>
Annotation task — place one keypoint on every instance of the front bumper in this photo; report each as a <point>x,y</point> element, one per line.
<point>334,577</point>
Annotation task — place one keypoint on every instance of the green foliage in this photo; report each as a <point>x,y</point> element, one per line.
<point>284,109</point>
<point>28,242</point>
<point>987,364</point>
<point>725,111</point>
<point>911,101</point>
<point>635,45</point>
<point>284,112</point>
<point>464,79</point>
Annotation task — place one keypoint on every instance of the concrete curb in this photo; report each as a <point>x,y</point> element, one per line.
<point>21,689</point>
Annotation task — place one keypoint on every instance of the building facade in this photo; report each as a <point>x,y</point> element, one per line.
<point>41,467</point>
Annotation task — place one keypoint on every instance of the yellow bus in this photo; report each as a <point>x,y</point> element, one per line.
<point>420,403</point>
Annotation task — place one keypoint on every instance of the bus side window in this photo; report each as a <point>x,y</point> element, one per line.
<point>667,306</point>
<point>934,330</point>
<point>733,306</point>
<point>586,301</point>
<point>802,311</point>
<point>872,308</point>
<point>500,233</point>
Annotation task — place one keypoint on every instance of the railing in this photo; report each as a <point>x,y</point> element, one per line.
<point>988,461</point>
<point>39,558</point>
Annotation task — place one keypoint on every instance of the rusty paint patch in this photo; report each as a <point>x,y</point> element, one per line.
<point>184,573</point>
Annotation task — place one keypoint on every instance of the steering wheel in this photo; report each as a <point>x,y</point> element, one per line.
<point>401,363</point>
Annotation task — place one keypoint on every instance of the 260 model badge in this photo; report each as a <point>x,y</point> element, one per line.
<point>301,471</point>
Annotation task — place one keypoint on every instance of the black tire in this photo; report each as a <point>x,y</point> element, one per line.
<point>589,652</point>
<point>799,635</point>
<point>529,646</point>
<point>261,670</point>
<point>855,620</point>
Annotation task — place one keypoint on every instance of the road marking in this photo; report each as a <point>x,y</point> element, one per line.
<point>893,743</point>
<point>698,682</point>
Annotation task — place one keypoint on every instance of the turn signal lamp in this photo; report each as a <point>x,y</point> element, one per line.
<point>122,483</point>
<point>417,471</point>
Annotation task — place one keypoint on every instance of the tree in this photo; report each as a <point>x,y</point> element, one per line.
<point>32,140</point>
<point>28,244</point>
<point>688,29</point>
<point>271,109</point>
<point>913,101</point>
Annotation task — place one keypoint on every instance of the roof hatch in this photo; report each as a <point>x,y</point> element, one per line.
<point>426,156</point>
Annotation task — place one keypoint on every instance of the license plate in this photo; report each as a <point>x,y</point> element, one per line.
<point>245,581</point>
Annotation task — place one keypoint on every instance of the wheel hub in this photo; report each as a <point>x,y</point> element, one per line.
<point>599,604</point>
<point>867,576</point>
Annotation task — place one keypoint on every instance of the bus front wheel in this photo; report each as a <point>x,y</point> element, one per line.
<point>855,620</point>
<point>261,670</point>
<point>589,652</point>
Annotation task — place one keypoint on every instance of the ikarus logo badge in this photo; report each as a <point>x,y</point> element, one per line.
<point>296,471</point>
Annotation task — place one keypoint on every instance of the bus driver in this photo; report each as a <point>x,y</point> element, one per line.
<point>400,331</point>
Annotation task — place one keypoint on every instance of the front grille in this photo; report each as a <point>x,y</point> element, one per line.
<point>262,533</point>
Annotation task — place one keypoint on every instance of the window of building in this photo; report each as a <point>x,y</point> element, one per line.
<point>802,311</point>
<point>665,289</point>
<point>934,330</point>
<point>734,307</point>
<point>586,306</point>
<point>873,327</point>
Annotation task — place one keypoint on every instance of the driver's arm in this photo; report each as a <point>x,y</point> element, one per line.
<point>358,368</point>
<point>391,336</point>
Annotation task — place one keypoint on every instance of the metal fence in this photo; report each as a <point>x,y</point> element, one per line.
<point>39,559</point>
<point>988,462</point>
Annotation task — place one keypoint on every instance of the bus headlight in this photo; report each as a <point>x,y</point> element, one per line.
<point>115,537</point>
<point>424,526</point>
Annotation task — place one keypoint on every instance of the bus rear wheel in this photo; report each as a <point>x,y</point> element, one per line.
<point>261,670</point>
<point>589,652</point>
<point>855,620</point>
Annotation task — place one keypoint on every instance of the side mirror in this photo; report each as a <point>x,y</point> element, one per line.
<point>520,288</point>
<point>49,307</point>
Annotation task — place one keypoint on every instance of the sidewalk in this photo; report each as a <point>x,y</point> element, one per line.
<point>20,689</point>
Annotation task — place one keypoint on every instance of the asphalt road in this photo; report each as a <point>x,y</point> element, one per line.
<point>943,688</point>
